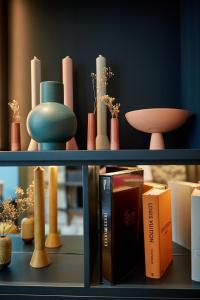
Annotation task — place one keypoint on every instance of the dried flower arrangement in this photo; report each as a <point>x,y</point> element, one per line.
<point>107,75</point>
<point>113,108</point>
<point>14,106</point>
<point>10,210</point>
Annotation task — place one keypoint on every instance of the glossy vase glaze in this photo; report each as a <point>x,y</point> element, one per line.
<point>114,134</point>
<point>51,123</point>
<point>5,251</point>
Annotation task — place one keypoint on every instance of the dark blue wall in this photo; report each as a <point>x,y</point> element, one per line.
<point>140,39</point>
<point>190,65</point>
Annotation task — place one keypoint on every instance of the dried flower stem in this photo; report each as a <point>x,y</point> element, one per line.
<point>113,108</point>
<point>10,210</point>
<point>107,75</point>
<point>14,105</point>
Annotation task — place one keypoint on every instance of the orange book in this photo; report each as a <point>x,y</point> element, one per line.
<point>157,231</point>
<point>150,185</point>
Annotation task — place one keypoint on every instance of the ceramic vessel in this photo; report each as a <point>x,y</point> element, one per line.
<point>114,134</point>
<point>5,251</point>
<point>157,121</point>
<point>91,132</point>
<point>51,123</point>
<point>27,229</point>
<point>15,136</point>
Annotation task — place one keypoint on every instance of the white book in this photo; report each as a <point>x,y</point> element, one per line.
<point>195,235</point>
<point>181,211</point>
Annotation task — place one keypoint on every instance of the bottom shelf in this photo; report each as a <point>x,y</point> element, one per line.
<point>178,274</point>
<point>66,268</point>
<point>64,277</point>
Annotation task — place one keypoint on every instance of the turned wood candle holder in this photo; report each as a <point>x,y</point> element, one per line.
<point>40,257</point>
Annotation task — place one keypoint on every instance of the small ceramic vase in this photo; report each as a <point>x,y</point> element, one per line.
<point>5,251</point>
<point>91,132</point>
<point>15,136</point>
<point>27,229</point>
<point>114,134</point>
<point>51,123</point>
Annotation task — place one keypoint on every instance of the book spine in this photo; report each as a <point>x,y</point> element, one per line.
<point>151,236</point>
<point>106,227</point>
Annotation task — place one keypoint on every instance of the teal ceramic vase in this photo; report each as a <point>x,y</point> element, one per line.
<point>51,123</point>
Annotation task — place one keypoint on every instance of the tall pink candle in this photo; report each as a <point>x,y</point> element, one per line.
<point>67,70</point>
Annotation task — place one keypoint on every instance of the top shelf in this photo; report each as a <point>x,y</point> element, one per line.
<point>84,157</point>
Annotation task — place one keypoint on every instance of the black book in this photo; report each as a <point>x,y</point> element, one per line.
<point>120,222</point>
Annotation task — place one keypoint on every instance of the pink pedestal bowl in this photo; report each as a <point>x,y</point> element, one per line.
<point>157,121</point>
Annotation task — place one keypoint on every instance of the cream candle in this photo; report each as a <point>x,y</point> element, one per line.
<point>53,239</point>
<point>35,81</point>
<point>102,141</point>
<point>35,92</point>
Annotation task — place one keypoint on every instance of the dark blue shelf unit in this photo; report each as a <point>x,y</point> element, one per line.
<point>175,285</point>
<point>85,157</point>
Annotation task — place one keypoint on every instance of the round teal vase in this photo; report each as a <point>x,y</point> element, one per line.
<point>51,123</point>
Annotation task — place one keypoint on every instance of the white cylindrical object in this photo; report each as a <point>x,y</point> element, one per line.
<point>102,141</point>
<point>35,81</point>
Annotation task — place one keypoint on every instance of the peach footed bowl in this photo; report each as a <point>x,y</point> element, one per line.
<point>156,121</point>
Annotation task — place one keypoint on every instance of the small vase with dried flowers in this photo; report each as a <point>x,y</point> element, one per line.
<point>15,126</point>
<point>91,120</point>
<point>100,141</point>
<point>26,201</point>
<point>114,109</point>
<point>10,211</point>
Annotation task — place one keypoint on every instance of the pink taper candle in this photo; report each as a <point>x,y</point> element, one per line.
<point>67,71</point>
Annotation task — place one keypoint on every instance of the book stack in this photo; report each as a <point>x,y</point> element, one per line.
<point>121,220</point>
<point>133,211</point>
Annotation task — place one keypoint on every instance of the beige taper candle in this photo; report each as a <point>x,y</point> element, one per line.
<point>102,141</point>
<point>39,258</point>
<point>53,239</point>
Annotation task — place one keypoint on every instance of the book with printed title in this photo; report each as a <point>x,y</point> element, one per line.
<point>157,231</point>
<point>120,222</point>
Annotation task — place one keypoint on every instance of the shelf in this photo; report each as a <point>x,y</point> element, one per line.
<point>66,269</point>
<point>19,279</point>
<point>84,157</point>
